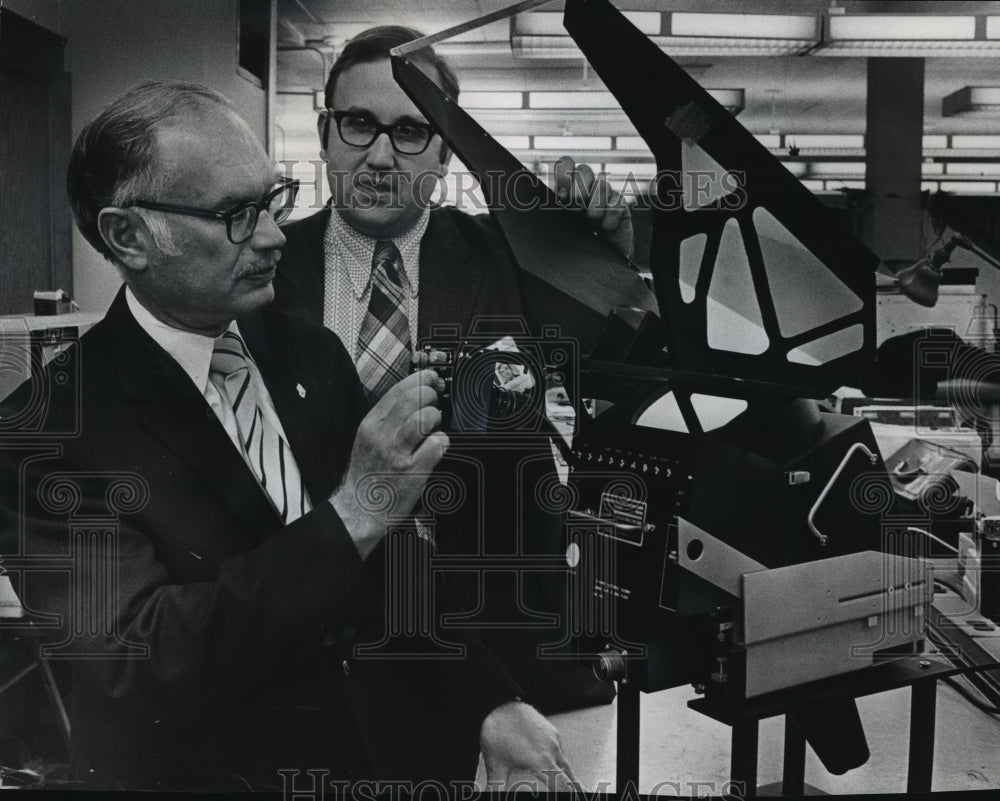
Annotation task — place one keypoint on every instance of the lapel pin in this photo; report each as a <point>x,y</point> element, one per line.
<point>301,390</point>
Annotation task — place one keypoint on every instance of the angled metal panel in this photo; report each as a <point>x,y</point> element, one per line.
<point>569,276</point>
<point>768,211</point>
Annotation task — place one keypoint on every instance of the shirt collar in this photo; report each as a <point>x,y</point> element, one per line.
<point>359,248</point>
<point>193,352</point>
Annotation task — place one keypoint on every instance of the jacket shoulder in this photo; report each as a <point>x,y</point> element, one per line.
<point>474,226</point>
<point>306,227</point>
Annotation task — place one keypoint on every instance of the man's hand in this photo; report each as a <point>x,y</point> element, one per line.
<point>606,210</point>
<point>393,450</point>
<point>521,750</point>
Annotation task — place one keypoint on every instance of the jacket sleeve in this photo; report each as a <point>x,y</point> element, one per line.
<point>186,643</point>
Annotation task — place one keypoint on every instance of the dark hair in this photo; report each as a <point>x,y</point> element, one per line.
<point>114,158</point>
<point>374,44</point>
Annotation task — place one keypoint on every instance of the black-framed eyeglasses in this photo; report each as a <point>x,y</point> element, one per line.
<point>241,221</point>
<point>359,130</point>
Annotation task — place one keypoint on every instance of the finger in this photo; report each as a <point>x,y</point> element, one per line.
<point>607,208</point>
<point>500,778</point>
<point>395,419</point>
<point>427,378</point>
<point>417,389</point>
<point>563,172</point>
<point>411,402</point>
<point>552,780</point>
<point>420,424</point>
<point>398,390</point>
<point>431,451</point>
<point>613,218</point>
<point>582,185</point>
<point>564,764</point>
<point>527,782</point>
<point>598,205</point>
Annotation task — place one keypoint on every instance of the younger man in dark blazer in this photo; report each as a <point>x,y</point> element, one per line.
<point>383,161</point>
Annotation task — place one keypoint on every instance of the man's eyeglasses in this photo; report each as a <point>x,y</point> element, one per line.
<point>241,221</point>
<point>357,130</point>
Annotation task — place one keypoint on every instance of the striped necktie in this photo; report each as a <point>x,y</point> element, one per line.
<point>384,349</point>
<point>267,452</point>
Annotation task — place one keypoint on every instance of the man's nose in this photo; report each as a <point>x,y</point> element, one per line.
<point>267,234</point>
<point>380,152</point>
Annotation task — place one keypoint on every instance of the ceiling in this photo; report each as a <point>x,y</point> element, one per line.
<point>786,95</point>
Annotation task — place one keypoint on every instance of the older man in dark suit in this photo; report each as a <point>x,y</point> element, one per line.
<point>212,624</point>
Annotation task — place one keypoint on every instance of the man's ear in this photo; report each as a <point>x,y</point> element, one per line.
<point>323,129</point>
<point>126,236</point>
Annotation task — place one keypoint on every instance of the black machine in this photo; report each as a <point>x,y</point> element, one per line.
<point>722,530</point>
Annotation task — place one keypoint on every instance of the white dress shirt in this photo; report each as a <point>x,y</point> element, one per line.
<point>193,352</point>
<point>347,255</point>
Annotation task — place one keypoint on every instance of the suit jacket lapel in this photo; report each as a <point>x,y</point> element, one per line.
<point>305,277</point>
<point>179,418</point>
<point>450,279</point>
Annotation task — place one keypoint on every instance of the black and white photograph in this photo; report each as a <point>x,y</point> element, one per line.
<point>458,399</point>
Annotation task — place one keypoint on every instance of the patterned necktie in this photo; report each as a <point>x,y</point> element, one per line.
<point>384,348</point>
<point>266,450</point>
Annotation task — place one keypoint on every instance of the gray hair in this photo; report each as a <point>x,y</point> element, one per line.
<point>114,160</point>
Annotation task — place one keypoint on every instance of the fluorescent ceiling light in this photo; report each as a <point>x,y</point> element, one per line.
<point>541,35</point>
<point>562,47</point>
<point>581,99</point>
<point>514,142</point>
<point>825,168</point>
<point>978,101</point>
<point>739,34</point>
<point>578,142</point>
<point>934,142</point>
<point>638,170</point>
<point>891,48</point>
<point>550,23</point>
<point>733,46</point>
<point>968,187</point>
<point>544,47</point>
<point>975,141</point>
<point>906,35</point>
<point>932,168</point>
<point>821,141</point>
<point>900,26</point>
<point>743,26</point>
<point>772,141</point>
<point>973,168</point>
<point>631,143</point>
<point>730,99</point>
<point>478,100</point>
